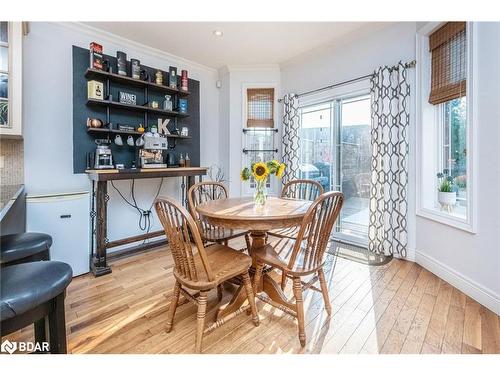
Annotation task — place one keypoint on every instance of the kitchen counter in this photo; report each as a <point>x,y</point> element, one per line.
<point>12,209</point>
<point>132,174</point>
<point>8,196</point>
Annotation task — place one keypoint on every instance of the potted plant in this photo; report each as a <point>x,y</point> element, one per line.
<point>260,171</point>
<point>447,196</point>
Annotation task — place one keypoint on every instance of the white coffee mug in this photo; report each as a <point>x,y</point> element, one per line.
<point>130,140</point>
<point>139,141</point>
<point>118,140</point>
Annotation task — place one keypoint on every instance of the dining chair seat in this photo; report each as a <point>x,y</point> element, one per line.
<point>278,253</point>
<point>289,233</point>
<point>219,234</point>
<point>225,263</point>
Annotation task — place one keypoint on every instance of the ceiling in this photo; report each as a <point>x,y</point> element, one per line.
<point>242,43</point>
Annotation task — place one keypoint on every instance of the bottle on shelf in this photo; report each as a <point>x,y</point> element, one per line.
<point>187,161</point>
<point>182,161</point>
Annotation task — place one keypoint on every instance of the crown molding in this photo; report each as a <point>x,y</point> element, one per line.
<point>114,38</point>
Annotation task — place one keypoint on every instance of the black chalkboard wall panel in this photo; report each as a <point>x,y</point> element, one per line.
<point>83,142</point>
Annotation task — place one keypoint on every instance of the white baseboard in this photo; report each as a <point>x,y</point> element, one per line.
<point>481,294</point>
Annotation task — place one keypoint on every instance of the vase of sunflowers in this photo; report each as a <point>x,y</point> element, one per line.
<point>260,171</point>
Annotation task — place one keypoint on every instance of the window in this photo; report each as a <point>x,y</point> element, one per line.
<point>335,151</point>
<point>260,108</point>
<point>259,132</point>
<point>10,78</point>
<point>444,139</point>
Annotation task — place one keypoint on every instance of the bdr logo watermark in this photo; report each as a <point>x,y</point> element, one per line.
<point>22,346</point>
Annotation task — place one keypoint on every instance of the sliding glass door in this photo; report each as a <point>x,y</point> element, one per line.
<point>335,151</point>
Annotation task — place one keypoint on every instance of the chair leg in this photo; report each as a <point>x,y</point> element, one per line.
<point>251,298</point>
<point>219,292</point>
<point>173,306</point>
<point>200,318</point>
<point>257,276</point>
<point>249,244</point>
<point>40,331</point>
<point>283,280</point>
<point>57,326</point>
<point>299,303</point>
<point>324,291</point>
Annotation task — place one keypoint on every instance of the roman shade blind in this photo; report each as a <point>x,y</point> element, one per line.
<point>448,47</point>
<point>260,108</point>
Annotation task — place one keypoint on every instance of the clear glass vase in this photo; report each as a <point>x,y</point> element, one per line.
<point>260,195</point>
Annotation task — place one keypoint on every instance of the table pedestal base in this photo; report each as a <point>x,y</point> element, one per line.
<point>275,295</point>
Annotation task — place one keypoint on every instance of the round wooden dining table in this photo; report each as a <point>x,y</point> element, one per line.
<point>241,213</point>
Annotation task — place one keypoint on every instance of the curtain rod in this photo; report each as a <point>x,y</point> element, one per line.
<point>410,64</point>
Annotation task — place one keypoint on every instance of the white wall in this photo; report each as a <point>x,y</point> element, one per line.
<point>235,79</point>
<point>468,261</point>
<point>472,261</point>
<point>48,119</point>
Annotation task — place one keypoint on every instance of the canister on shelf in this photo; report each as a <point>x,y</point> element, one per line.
<point>184,80</point>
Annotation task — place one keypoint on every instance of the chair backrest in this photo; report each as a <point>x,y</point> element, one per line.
<point>315,230</point>
<point>302,189</point>
<point>184,237</point>
<point>203,192</point>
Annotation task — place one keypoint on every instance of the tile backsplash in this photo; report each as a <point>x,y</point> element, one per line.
<point>11,161</point>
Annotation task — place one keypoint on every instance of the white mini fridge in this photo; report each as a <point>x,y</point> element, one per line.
<point>65,216</point>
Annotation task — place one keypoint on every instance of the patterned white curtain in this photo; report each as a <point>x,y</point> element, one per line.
<point>290,138</point>
<point>390,93</point>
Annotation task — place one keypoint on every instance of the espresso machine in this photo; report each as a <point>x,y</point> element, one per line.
<point>103,157</point>
<point>151,153</point>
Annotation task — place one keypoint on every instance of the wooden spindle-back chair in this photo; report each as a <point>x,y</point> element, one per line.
<point>203,192</point>
<point>296,189</point>
<point>200,268</point>
<point>304,256</point>
<point>302,189</point>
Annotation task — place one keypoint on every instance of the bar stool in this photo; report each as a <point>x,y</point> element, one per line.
<point>24,247</point>
<point>34,292</point>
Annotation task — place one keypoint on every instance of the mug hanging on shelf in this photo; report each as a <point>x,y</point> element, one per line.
<point>139,142</point>
<point>118,140</point>
<point>130,140</point>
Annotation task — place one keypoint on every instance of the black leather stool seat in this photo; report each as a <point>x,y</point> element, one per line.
<point>14,247</point>
<point>28,285</point>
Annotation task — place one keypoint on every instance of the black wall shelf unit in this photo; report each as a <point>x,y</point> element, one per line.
<point>111,112</point>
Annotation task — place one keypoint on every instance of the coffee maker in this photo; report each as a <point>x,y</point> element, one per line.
<point>151,153</point>
<point>103,157</point>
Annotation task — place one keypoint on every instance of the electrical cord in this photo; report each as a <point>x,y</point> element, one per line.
<point>145,217</point>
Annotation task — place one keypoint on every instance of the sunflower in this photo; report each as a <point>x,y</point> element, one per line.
<point>260,171</point>
<point>280,170</point>
<point>245,174</point>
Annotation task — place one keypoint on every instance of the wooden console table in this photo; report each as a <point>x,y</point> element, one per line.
<point>99,207</point>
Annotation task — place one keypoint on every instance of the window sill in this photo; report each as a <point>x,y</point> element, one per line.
<point>446,219</point>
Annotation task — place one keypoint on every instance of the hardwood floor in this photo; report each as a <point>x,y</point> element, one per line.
<point>395,308</point>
